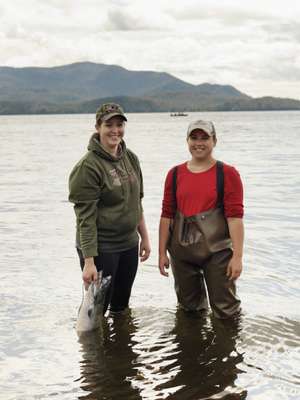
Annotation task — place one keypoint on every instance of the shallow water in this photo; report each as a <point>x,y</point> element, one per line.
<point>153,352</point>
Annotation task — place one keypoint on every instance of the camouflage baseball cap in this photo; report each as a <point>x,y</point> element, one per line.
<point>206,126</point>
<point>109,110</point>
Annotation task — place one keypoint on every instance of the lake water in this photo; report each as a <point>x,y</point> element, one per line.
<point>153,352</point>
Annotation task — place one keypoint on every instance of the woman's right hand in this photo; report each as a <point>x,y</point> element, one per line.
<point>163,264</point>
<point>89,273</point>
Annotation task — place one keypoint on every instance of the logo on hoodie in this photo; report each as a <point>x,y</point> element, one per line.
<point>116,179</point>
<point>120,175</point>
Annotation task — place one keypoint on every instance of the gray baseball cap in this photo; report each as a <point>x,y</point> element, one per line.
<point>206,126</point>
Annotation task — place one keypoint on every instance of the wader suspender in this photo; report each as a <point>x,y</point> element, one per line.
<point>220,186</point>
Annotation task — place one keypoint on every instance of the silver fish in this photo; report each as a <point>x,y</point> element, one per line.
<point>90,312</point>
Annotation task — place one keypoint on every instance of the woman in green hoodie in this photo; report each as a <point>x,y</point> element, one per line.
<point>106,187</point>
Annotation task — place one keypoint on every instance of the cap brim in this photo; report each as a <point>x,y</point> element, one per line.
<point>109,116</point>
<point>200,129</point>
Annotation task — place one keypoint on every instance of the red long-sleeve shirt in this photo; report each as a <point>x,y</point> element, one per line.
<point>197,192</point>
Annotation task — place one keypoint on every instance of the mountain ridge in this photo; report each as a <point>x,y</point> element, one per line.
<point>76,87</point>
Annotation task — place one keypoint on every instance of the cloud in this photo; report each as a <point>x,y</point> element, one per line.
<point>119,20</point>
<point>231,14</point>
<point>283,31</point>
<point>228,16</point>
<point>136,18</point>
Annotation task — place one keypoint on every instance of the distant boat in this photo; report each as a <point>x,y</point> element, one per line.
<point>179,114</point>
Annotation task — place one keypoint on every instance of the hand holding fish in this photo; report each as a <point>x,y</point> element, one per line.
<point>89,273</point>
<point>91,310</point>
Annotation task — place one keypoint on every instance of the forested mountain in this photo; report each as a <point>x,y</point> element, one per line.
<point>81,87</point>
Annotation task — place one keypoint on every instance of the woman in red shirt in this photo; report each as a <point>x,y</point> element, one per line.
<point>201,227</point>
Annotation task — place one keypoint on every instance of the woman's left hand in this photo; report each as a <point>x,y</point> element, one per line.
<point>145,250</point>
<point>234,268</point>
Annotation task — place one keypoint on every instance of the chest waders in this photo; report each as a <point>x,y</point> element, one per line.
<point>200,248</point>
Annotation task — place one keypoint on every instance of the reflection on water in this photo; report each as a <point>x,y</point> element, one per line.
<point>108,359</point>
<point>208,359</point>
<point>133,359</point>
<point>151,354</point>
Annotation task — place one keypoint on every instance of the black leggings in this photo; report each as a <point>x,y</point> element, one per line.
<point>122,267</point>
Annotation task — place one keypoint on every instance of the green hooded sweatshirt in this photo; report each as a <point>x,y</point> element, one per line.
<point>106,192</point>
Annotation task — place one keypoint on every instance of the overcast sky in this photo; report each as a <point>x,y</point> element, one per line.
<point>253,45</point>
